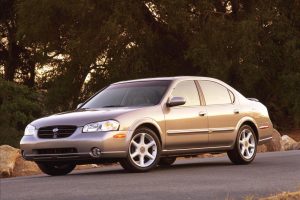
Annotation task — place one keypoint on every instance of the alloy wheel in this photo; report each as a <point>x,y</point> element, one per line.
<point>247,144</point>
<point>143,149</point>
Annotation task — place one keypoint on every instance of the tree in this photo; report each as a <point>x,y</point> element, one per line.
<point>253,45</point>
<point>17,59</point>
<point>19,105</point>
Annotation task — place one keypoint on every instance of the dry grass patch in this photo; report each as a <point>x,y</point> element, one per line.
<point>284,196</point>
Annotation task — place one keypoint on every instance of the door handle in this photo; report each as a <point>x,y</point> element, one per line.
<point>202,113</point>
<point>236,111</point>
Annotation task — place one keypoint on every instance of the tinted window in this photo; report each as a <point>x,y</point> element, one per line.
<point>188,90</point>
<point>144,93</point>
<point>215,93</point>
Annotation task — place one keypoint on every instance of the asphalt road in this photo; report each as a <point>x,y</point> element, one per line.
<point>210,178</point>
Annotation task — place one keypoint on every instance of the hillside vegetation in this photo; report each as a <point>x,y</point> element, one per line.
<point>64,51</point>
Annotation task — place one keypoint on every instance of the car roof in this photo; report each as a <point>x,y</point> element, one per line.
<point>168,78</point>
<point>180,78</point>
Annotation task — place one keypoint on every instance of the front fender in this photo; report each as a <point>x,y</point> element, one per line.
<point>147,120</point>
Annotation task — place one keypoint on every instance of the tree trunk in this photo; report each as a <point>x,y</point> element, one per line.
<point>11,65</point>
<point>31,79</point>
<point>78,82</point>
<point>235,8</point>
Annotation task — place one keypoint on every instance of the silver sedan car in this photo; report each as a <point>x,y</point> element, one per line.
<point>148,122</point>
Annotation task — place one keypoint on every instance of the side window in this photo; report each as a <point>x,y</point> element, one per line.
<point>188,90</point>
<point>215,93</point>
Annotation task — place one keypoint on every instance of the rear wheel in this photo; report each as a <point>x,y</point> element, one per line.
<point>143,152</point>
<point>165,162</point>
<point>56,169</point>
<point>245,147</point>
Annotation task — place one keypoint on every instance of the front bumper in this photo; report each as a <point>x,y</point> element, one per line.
<point>109,146</point>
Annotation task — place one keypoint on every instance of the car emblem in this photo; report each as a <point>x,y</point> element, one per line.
<point>55,133</point>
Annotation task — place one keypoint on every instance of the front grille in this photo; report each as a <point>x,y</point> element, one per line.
<point>56,131</point>
<point>56,151</point>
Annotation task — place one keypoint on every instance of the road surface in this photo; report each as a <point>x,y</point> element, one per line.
<point>209,178</point>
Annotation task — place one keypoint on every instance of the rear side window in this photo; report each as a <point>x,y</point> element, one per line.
<point>188,90</point>
<point>215,93</point>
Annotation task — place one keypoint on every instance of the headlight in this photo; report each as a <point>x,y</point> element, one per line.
<point>30,130</point>
<point>109,125</point>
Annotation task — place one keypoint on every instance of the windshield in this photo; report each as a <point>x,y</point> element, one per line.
<point>132,94</point>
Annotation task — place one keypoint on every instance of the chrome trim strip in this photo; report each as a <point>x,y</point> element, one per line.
<point>167,150</point>
<point>268,138</point>
<point>263,127</point>
<point>221,129</point>
<point>185,131</point>
<point>199,131</point>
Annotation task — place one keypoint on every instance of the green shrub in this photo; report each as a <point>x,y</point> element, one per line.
<point>19,105</point>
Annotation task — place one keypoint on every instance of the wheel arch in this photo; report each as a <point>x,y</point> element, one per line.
<point>151,124</point>
<point>250,122</point>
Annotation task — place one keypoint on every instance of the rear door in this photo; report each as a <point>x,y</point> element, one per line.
<point>222,111</point>
<point>186,125</point>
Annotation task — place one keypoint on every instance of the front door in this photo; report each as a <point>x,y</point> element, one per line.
<point>186,125</point>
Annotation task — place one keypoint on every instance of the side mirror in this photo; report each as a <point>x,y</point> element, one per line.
<point>176,101</point>
<point>79,105</point>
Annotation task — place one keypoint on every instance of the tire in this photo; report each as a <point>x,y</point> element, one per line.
<point>143,151</point>
<point>245,146</point>
<point>56,169</point>
<point>166,162</point>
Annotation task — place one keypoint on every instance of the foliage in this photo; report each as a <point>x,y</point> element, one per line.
<point>254,45</point>
<point>19,105</point>
<point>19,61</point>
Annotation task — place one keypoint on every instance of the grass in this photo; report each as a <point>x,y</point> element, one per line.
<point>251,197</point>
<point>280,196</point>
<point>284,196</point>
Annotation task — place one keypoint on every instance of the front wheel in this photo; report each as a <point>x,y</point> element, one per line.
<point>56,169</point>
<point>245,147</point>
<point>143,152</point>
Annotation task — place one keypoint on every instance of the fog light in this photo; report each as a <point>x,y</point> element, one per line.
<point>95,152</point>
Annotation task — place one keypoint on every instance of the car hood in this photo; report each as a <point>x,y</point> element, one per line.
<point>81,117</point>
